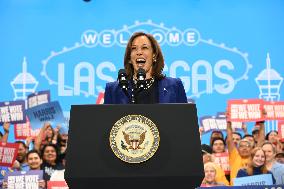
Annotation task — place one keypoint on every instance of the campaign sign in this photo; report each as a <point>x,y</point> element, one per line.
<point>12,112</point>
<point>245,110</point>
<point>222,159</point>
<point>24,130</point>
<point>38,98</point>
<point>8,153</point>
<point>24,180</point>
<point>274,110</point>
<point>281,129</point>
<point>220,122</point>
<point>263,179</point>
<point>57,185</point>
<point>208,123</point>
<point>48,112</point>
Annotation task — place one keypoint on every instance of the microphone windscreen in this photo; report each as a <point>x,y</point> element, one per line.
<point>141,71</point>
<point>122,71</point>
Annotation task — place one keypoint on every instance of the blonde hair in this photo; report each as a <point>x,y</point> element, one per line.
<point>210,165</point>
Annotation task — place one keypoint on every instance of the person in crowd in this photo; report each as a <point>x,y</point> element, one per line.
<point>273,137</point>
<point>21,160</point>
<point>34,161</point>
<point>6,128</point>
<point>236,138</point>
<point>208,157</point>
<point>51,162</point>
<point>210,176</point>
<point>47,135</point>
<point>272,165</point>
<point>255,134</point>
<point>215,134</point>
<point>256,166</point>
<point>280,157</point>
<point>218,145</point>
<point>143,51</point>
<point>250,138</point>
<point>239,157</point>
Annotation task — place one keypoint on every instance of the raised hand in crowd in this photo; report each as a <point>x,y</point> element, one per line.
<point>244,128</point>
<point>6,127</point>
<point>45,136</point>
<point>29,140</point>
<point>16,165</point>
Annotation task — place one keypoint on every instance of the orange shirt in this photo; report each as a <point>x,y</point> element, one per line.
<point>220,176</point>
<point>236,162</point>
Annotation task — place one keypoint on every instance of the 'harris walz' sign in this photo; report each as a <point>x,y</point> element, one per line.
<point>12,112</point>
<point>48,112</point>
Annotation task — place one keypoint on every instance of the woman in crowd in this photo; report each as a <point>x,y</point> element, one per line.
<point>51,161</point>
<point>210,176</point>
<point>256,165</point>
<point>273,137</point>
<point>47,135</point>
<point>218,145</point>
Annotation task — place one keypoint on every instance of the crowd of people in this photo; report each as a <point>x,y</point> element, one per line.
<point>248,155</point>
<point>45,152</point>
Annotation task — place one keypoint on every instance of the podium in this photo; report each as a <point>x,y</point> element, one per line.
<point>91,163</point>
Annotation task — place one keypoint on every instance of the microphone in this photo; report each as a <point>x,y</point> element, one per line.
<point>122,79</point>
<point>141,76</point>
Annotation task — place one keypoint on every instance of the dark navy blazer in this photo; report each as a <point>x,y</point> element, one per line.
<point>171,90</point>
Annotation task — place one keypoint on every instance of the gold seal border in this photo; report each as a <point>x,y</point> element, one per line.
<point>145,157</point>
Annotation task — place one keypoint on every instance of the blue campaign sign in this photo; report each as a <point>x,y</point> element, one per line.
<point>12,112</point>
<point>48,112</point>
<point>221,50</point>
<point>263,179</point>
<point>247,187</point>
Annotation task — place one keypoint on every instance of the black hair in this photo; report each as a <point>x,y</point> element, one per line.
<point>267,135</point>
<point>33,152</point>
<point>219,138</point>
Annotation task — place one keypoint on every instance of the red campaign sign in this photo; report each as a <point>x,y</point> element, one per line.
<point>100,99</point>
<point>57,185</point>
<point>281,129</point>
<point>245,110</point>
<point>274,110</point>
<point>222,159</point>
<point>24,130</point>
<point>8,153</point>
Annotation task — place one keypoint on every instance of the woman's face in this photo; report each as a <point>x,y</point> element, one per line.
<point>49,154</point>
<point>142,55</point>
<point>218,146</point>
<point>273,137</point>
<point>258,159</point>
<point>34,161</point>
<point>210,174</point>
<point>269,153</point>
<point>49,132</point>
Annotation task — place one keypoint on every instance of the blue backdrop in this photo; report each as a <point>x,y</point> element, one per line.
<point>218,48</point>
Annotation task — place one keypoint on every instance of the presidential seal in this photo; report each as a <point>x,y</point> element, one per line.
<point>134,139</point>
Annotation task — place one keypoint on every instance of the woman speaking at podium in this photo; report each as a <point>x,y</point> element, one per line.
<point>142,81</point>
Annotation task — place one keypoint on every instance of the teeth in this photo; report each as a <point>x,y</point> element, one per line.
<point>140,60</point>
